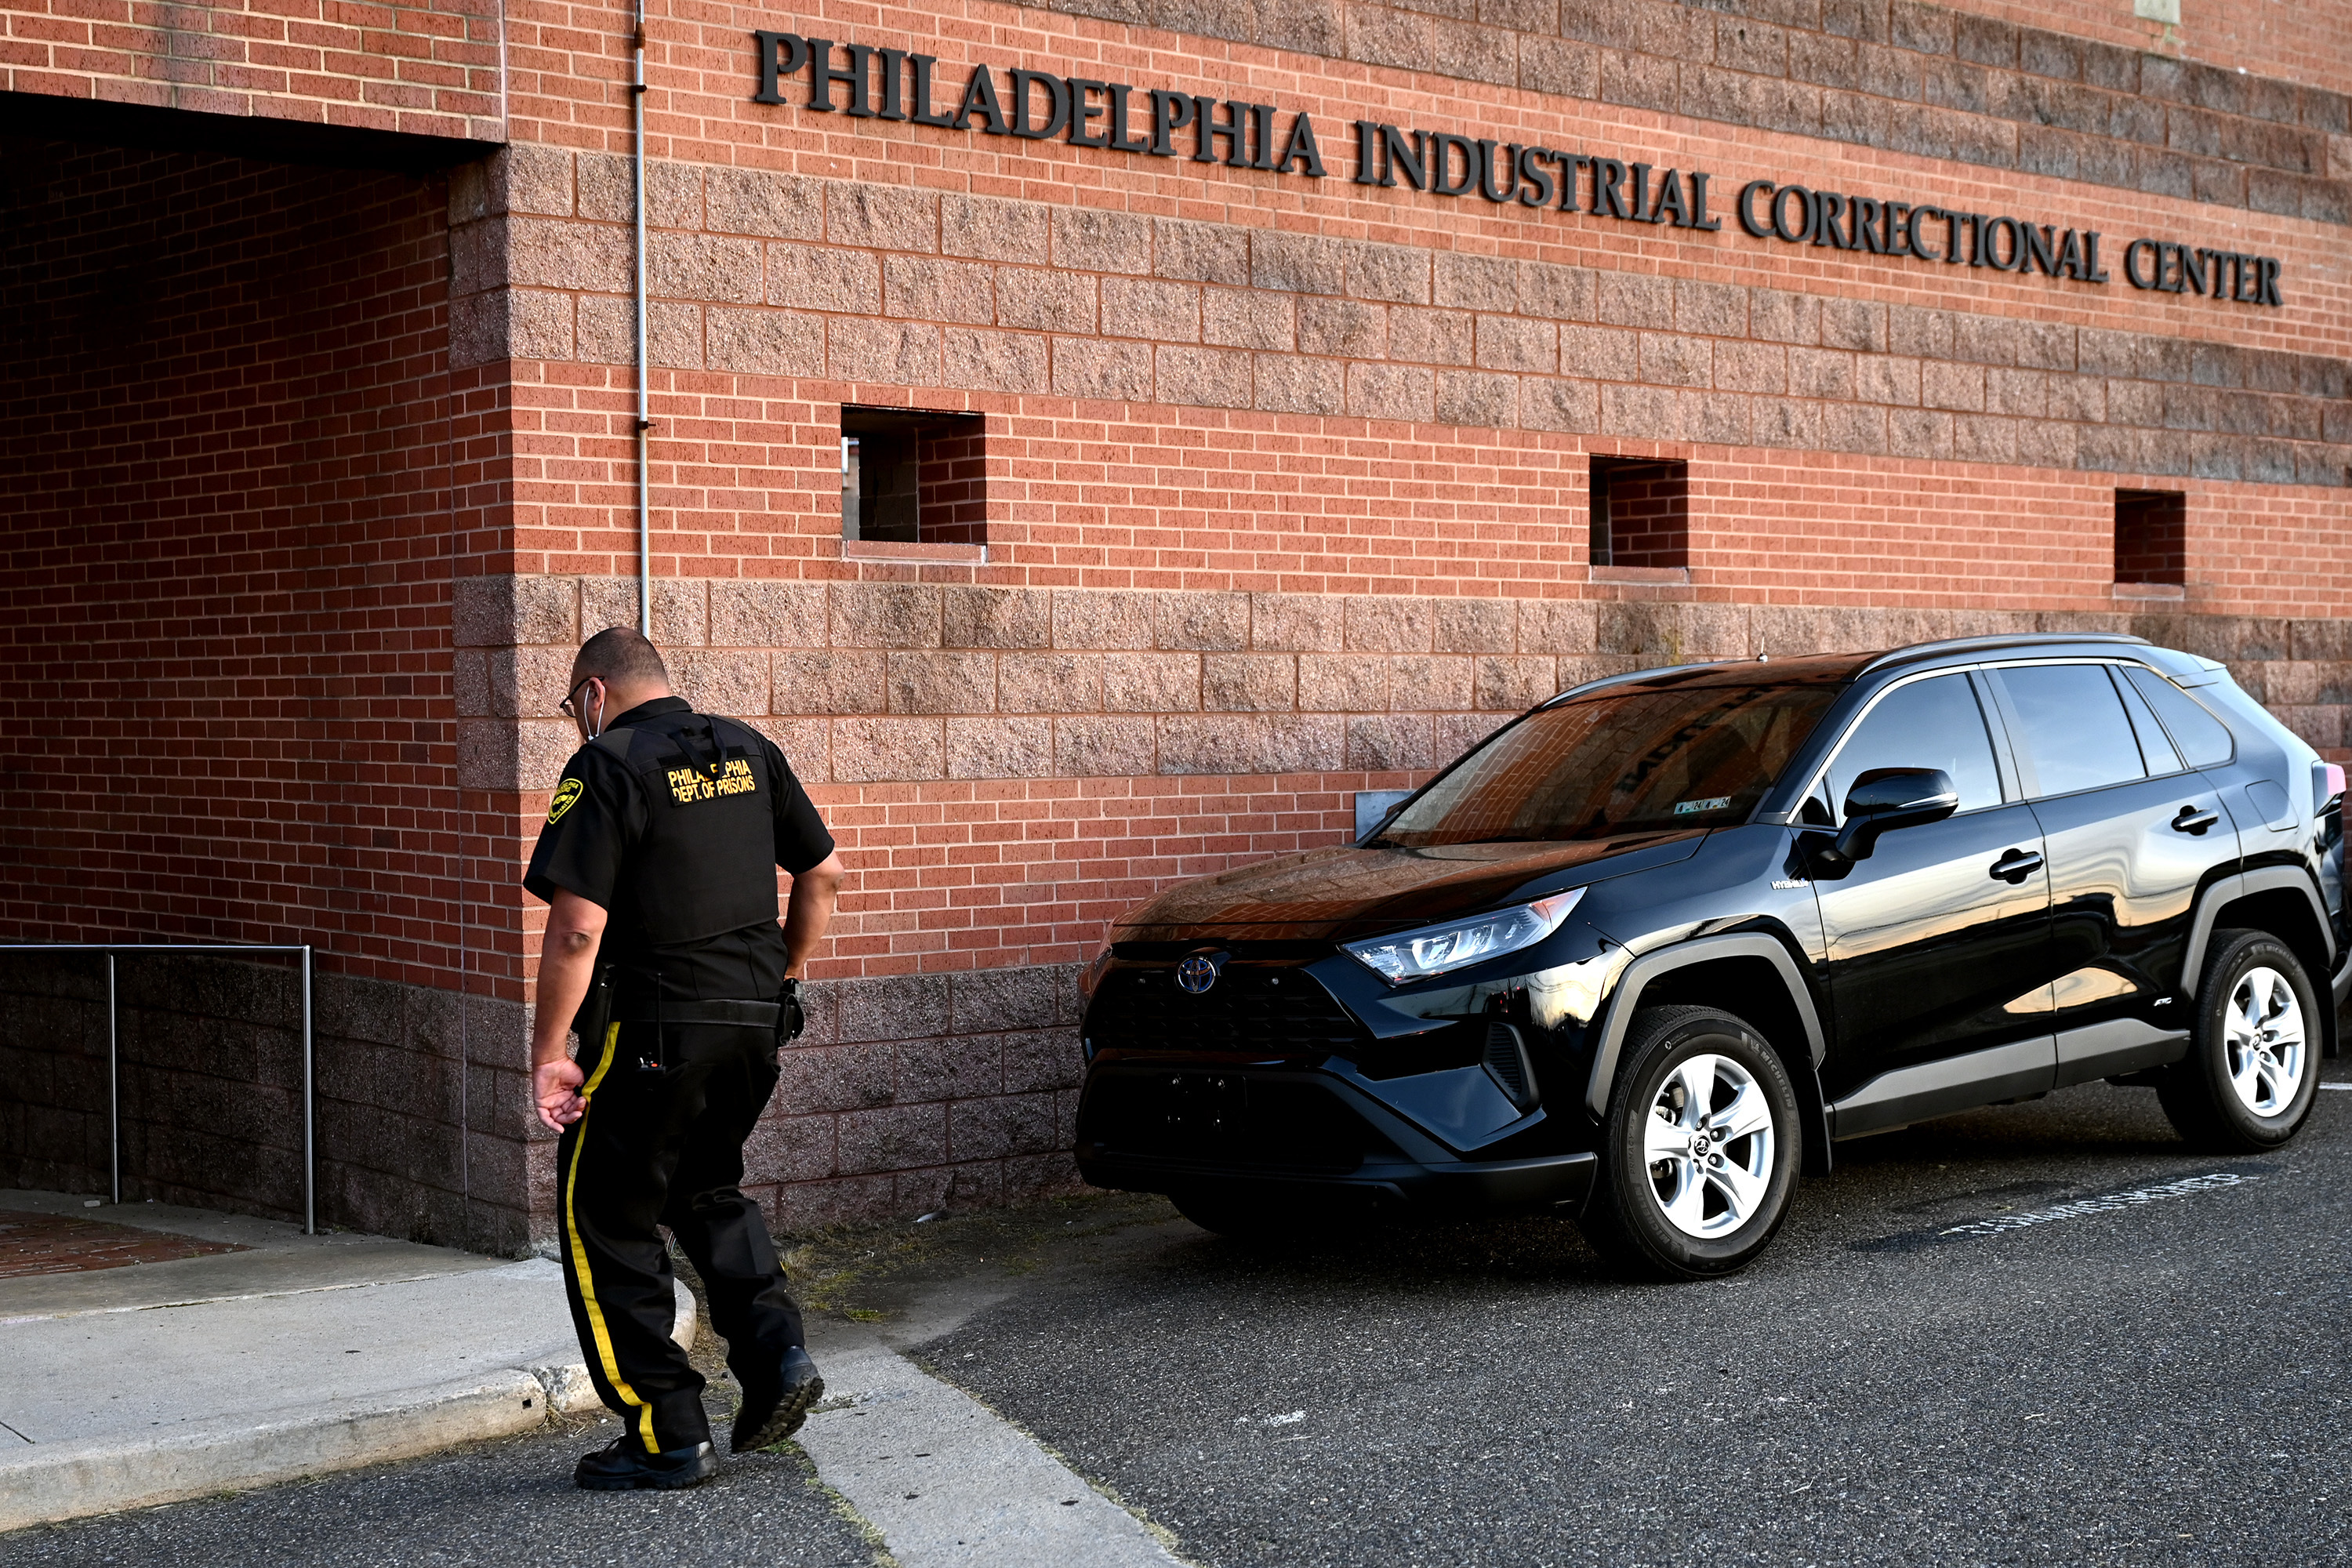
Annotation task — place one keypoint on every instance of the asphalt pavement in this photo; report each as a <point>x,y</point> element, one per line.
<point>494,1503</point>
<point>2153,1380</point>
<point>2038,1333</point>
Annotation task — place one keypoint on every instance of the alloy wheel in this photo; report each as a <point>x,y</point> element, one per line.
<point>2263,1041</point>
<point>1708,1143</point>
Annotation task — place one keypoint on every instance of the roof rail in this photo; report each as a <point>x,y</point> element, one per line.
<point>2006,639</point>
<point>1590,686</point>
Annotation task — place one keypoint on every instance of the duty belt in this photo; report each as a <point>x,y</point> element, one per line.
<point>743,1015</point>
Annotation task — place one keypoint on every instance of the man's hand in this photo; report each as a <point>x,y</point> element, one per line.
<point>567,962</point>
<point>556,1086</point>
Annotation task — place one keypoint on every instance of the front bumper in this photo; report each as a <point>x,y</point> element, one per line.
<point>1551,1181</point>
<point>1166,1126</point>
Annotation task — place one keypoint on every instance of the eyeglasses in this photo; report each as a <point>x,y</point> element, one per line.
<point>567,706</point>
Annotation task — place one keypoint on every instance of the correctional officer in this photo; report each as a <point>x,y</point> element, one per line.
<point>658,864</point>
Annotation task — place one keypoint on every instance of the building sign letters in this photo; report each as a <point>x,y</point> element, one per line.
<point>897,84</point>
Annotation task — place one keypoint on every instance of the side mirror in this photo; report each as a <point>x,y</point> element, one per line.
<point>1881,800</point>
<point>1387,802</point>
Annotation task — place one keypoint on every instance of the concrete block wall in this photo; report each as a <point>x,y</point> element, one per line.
<point>2304,44</point>
<point>1006,769</point>
<point>921,1088</point>
<point>906,1094</point>
<point>770,277</point>
<point>2257,119</point>
<point>911,1091</point>
<point>2018,81</point>
<point>423,1109</point>
<point>916,1092</point>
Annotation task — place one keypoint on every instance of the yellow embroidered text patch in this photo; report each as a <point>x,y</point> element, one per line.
<point>687,786</point>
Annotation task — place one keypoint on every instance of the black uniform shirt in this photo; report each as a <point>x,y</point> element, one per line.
<point>600,817</point>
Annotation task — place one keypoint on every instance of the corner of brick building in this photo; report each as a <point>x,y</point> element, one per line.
<point>1279,503</point>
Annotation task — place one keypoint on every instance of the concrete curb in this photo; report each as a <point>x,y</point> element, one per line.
<point>56,1482</point>
<point>75,1481</point>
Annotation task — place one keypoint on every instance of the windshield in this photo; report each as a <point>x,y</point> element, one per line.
<point>1620,762</point>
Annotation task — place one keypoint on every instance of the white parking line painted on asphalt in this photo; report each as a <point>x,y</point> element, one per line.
<point>948,1483</point>
<point>2111,1202</point>
<point>2336,1086</point>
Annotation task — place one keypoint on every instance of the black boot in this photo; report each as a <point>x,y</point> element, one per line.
<point>623,1466</point>
<point>774,1408</point>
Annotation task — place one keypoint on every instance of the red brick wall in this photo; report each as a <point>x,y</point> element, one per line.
<point>238,477</point>
<point>2151,537</point>
<point>427,70</point>
<point>1284,479</point>
<point>953,479</point>
<point>1494,369</point>
<point>1007,769</point>
<point>229,464</point>
<point>1208,390</point>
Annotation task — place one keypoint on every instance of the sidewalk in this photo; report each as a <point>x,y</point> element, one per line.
<point>232,1352</point>
<point>173,1353</point>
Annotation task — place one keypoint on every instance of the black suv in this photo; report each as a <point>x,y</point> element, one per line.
<point>1646,951</point>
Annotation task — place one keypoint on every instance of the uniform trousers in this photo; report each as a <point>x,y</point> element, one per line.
<point>661,1145</point>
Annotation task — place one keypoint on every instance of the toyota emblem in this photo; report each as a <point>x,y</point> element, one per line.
<point>1197,973</point>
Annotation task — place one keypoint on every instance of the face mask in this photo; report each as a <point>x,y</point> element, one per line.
<point>580,695</point>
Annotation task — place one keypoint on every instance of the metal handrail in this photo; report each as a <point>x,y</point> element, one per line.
<point>114,1049</point>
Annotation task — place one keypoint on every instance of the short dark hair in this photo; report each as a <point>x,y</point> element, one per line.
<point>619,656</point>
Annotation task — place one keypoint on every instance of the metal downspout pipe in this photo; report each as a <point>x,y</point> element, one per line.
<point>644,416</point>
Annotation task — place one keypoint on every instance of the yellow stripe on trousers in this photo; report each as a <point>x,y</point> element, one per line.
<point>579,1253</point>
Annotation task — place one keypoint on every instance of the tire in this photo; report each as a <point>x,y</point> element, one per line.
<point>2252,1068</point>
<point>1674,1204</point>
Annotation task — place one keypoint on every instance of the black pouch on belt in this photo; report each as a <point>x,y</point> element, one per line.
<point>791,1018</point>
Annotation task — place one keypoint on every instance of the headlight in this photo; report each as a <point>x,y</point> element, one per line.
<point>1457,944</point>
<point>1091,975</point>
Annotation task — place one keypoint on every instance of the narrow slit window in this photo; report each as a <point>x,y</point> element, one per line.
<point>2152,537</point>
<point>911,477</point>
<point>1640,513</point>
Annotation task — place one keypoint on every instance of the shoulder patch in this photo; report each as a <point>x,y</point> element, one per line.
<point>565,794</point>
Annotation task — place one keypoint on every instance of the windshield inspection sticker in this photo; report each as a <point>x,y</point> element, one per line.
<point>2080,1208</point>
<point>1713,803</point>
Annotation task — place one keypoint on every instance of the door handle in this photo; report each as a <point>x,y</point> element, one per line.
<point>2017,865</point>
<point>2192,820</point>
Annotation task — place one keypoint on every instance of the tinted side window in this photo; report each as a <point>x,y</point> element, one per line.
<point>1932,723</point>
<point>2204,740</point>
<point>2075,730</point>
<point>2153,747</point>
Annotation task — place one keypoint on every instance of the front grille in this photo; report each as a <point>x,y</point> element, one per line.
<point>1226,1118</point>
<point>1260,1009</point>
